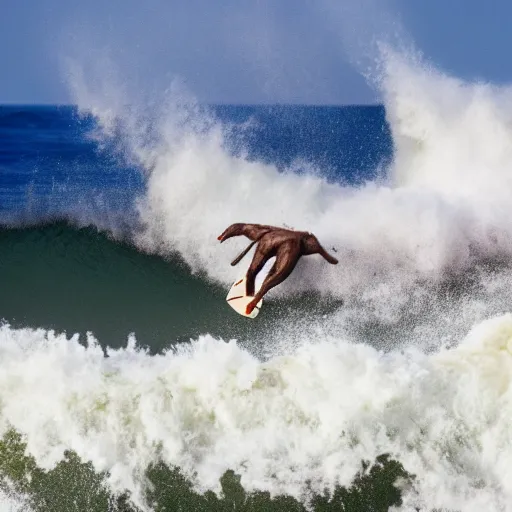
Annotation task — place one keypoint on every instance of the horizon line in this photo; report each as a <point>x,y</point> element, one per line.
<point>211,104</point>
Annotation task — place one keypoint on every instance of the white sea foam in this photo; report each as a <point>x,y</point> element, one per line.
<point>443,209</point>
<point>312,414</point>
<point>13,502</point>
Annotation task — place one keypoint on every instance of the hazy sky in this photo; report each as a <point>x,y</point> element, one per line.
<point>242,51</point>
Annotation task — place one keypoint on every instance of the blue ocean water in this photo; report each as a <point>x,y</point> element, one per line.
<point>52,168</point>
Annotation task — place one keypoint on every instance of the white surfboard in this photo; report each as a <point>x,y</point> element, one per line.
<point>238,300</point>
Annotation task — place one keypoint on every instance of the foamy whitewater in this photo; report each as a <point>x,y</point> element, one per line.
<point>436,215</point>
<point>311,415</point>
<point>322,399</point>
<point>13,503</point>
<point>438,218</point>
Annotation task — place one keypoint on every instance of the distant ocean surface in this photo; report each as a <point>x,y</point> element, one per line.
<point>382,383</point>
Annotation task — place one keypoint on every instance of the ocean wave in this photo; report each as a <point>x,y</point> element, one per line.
<point>93,282</point>
<point>435,214</point>
<point>306,417</point>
